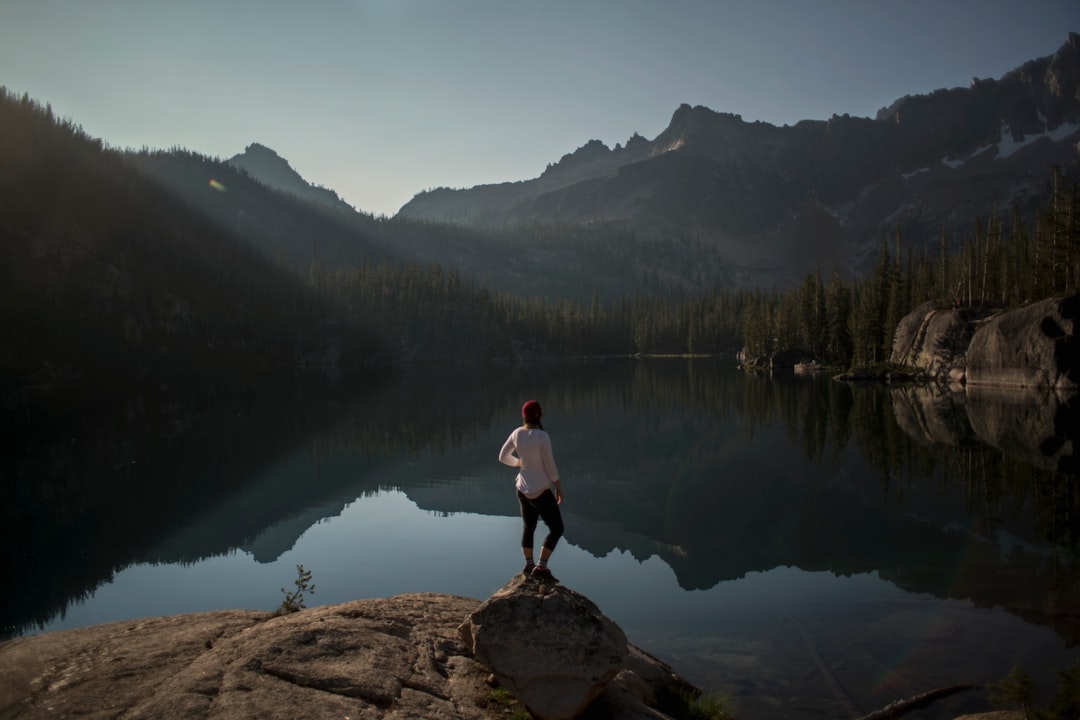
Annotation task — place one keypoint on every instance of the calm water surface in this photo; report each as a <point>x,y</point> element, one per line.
<point>782,540</point>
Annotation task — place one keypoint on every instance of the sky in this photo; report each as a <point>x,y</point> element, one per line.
<point>382,99</point>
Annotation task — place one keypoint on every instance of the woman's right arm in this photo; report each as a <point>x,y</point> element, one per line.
<point>506,455</point>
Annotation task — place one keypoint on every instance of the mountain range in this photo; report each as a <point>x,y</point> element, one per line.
<point>712,201</point>
<point>777,202</point>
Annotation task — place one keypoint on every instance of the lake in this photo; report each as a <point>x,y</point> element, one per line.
<point>812,549</point>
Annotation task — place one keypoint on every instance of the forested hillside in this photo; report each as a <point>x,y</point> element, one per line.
<point>550,261</point>
<point>107,275</point>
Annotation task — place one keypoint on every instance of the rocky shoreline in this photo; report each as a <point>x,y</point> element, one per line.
<point>531,650</point>
<point>396,657</point>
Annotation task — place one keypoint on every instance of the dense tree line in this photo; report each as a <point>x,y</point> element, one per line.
<point>428,314</point>
<point>999,263</point>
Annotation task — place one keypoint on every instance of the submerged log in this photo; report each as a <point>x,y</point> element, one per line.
<point>903,707</point>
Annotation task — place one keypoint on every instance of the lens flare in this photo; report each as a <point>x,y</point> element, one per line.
<point>215,185</point>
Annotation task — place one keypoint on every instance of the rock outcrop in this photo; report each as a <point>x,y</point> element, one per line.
<point>934,341</point>
<point>549,646</point>
<point>397,657</point>
<point>1030,347</point>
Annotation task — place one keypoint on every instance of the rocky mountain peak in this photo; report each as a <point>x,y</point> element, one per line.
<point>592,150</point>
<point>689,121</point>
<point>258,158</point>
<point>274,171</point>
<point>702,130</point>
<point>636,142</point>
<point>257,150</point>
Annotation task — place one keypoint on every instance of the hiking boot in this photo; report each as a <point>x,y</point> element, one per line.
<point>542,573</point>
<point>528,569</point>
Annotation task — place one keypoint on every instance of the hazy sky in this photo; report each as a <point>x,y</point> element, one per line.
<point>380,99</point>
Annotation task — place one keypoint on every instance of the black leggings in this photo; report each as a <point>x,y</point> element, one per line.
<point>543,507</point>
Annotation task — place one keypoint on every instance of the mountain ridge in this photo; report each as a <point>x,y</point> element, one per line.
<point>716,201</point>
<point>269,168</point>
<point>757,192</point>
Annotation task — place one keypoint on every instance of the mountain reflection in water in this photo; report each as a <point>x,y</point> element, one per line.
<point>804,545</point>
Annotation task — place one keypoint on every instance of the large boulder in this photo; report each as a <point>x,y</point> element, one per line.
<point>1032,346</point>
<point>934,341</point>
<point>549,646</point>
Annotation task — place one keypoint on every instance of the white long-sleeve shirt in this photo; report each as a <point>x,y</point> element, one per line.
<point>537,471</point>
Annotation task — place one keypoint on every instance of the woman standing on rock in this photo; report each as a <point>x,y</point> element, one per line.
<point>529,449</point>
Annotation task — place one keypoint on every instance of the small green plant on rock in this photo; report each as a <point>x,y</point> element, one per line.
<point>509,707</point>
<point>708,706</point>
<point>692,704</point>
<point>294,600</point>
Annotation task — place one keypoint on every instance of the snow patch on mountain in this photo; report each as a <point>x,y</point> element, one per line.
<point>1007,146</point>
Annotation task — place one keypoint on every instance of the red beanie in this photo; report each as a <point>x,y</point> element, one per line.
<point>531,410</point>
